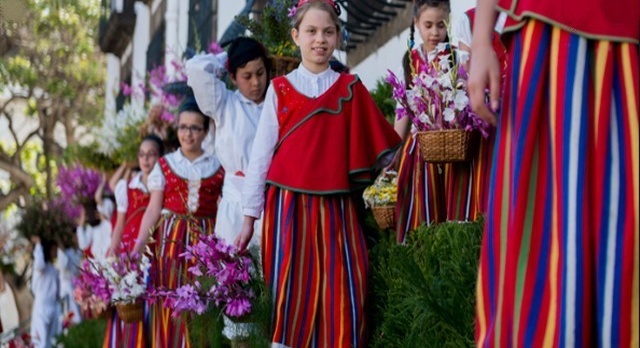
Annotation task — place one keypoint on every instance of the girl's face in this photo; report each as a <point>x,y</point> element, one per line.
<point>317,37</point>
<point>432,26</point>
<point>147,156</point>
<point>191,131</point>
<point>252,80</point>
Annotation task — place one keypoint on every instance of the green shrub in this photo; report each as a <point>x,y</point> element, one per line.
<point>424,292</point>
<point>87,334</point>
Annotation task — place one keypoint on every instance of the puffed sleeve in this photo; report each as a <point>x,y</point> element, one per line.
<point>156,180</point>
<point>203,73</point>
<point>261,156</point>
<point>122,200</point>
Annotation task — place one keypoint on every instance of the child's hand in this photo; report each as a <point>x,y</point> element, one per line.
<point>82,218</point>
<point>246,233</point>
<point>484,71</point>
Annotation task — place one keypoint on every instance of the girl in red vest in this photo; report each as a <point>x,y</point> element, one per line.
<point>184,189</point>
<point>320,138</point>
<point>132,198</point>
<point>559,260</point>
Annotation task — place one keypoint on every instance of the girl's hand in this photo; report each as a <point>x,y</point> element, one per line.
<point>246,233</point>
<point>484,71</point>
<point>111,251</point>
<point>82,218</point>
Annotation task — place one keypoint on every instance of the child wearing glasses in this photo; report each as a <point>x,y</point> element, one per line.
<point>132,198</point>
<point>184,189</point>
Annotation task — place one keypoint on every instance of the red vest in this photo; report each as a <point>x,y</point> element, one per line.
<point>617,20</point>
<point>138,202</point>
<point>176,192</point>
<point>329,144</point>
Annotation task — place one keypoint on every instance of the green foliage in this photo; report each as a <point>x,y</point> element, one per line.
<point>382,96</point>
<point>273,28</point>
<point>89,156</point>
<point>87,334</point>
<point>424,292</point>
<point>48,221</point>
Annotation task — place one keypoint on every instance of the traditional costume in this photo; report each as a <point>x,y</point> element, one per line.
<point>131,199</point>
<point>191,191</point>
<point>559,260</point>
<point>320,138</point>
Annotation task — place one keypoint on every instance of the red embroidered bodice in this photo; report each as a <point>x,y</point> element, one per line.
<point>176,192</point>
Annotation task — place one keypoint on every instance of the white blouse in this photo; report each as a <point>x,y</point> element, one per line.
<point>97,238</point>
<point>122,197</point>
<point>235,117</point>
<point>305,82</point>
<point>45,283</point>
<point>202,167</point>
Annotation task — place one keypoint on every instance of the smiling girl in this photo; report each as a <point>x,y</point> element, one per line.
<point>320,139</point>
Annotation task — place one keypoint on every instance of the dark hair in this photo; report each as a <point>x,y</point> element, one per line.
<point>242,50</point>
<point>421,5</point>
<point>156,141</point>
<point>189,104</point>
<point>49,247</point>
<point>406,67</point>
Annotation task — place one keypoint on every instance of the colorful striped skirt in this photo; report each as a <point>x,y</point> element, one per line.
<point>559,261</point>
<point>421,191</point>
<point>125,335</point>
<point>316,266</point>
<point>466,183</point>
<point>169,271</point>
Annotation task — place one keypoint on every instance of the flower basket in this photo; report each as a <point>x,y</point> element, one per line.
<point>448,145</point>
<point>131,312</point>
<point>282,65</point>
<point>385,216</point>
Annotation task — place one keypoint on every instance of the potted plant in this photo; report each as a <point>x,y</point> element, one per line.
<point>381,198</point>
<point>273,30</point>
<point>438,105</point>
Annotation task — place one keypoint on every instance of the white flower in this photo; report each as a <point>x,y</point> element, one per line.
<point>441,47</point>
<point>424,118</point>
<point>461,100</point>
<point>449,114</point>
<point>445,62</point>
<point>445,81</point>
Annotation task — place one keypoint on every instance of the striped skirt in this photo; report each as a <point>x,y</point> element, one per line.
<point>169,271</point>
<point>466,183</point>
<point>559,261</point>
<point>315,264</point>
<point>421,191</point>
<point>125,335</point>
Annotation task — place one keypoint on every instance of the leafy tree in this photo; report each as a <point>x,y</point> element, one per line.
<point>51,78</point>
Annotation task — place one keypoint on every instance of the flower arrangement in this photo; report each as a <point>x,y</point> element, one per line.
<point>273,28</point>
<point>116,137</point>
<point>49,220</point>
<point>126,275</point>
<point>222,276</point>
<point>77,183</point>
<point>437,97</point>
<point>92,290</point>
<point>383,192</point>
<point>381,197</point>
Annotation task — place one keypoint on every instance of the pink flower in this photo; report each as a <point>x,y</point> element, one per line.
<point>214,48</point>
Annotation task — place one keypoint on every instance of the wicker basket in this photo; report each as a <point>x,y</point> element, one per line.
<point>385,216</point>
<point>449,145</point>
<point>131,312</point>
<point>282,65</point>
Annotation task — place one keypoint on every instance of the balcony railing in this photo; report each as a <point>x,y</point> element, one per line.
<point>117,22</point>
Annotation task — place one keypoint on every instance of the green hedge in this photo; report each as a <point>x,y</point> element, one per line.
<point>87,334</point>
<point>423,293</point>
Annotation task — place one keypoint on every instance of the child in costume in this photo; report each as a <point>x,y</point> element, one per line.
<point>184,189</point>
<point>45,286</point>
<point>132,198</point>
<point>235,115</point>
<point>559,260</point>
<point>320,138</point>
<point>421,185</point>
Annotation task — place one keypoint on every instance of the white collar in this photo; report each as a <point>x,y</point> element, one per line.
<point>306,73</point>
<point>180,158</point>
